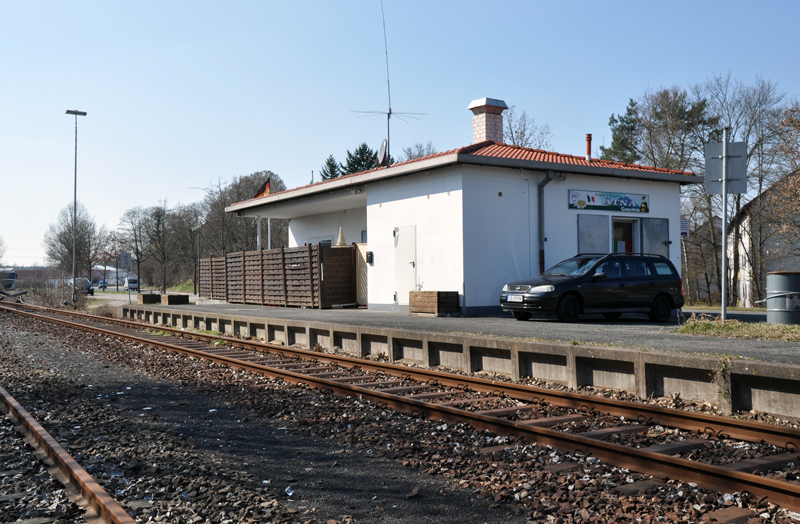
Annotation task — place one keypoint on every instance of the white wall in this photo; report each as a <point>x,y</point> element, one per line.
<point>500,232</point>
<point>431,202</point>
<point>311,229</point>
<point>561,223</point>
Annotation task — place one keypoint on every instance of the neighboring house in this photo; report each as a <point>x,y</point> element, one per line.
<point>475,218</point>
<point>762,249</point>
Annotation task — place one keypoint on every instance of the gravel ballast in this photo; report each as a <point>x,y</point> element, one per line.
<point>181,440</point>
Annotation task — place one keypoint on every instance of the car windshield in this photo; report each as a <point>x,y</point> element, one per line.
<point>571,267</point>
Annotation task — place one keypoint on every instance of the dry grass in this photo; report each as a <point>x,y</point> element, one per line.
<point>709,326</point>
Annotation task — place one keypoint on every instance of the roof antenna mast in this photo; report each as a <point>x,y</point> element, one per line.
<point>388,85</point>
<point>383,155</point>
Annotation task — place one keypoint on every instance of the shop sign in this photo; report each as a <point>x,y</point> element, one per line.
<point>603,201</point>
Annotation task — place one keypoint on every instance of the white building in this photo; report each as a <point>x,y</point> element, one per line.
<point>475,218</point>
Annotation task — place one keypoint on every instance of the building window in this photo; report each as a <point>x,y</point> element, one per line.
<point>364,236</point>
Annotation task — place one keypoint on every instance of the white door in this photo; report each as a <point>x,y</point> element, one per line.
<point>405,262</point>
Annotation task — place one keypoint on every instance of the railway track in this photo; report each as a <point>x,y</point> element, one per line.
<point>92,494</point>
<point>524,413</point>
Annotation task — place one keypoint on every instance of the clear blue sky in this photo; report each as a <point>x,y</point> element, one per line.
<point>180,94</point>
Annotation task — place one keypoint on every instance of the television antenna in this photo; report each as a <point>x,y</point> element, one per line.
<point>401,115</point>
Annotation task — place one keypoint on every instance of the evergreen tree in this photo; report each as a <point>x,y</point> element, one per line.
<point>330,169</point>
<point>623,137</point>
<point>362,159</point>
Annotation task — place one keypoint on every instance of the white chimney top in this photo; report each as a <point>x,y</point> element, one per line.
<point>487,119</point>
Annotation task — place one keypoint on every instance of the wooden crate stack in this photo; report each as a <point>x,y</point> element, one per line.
<point>437,303</point>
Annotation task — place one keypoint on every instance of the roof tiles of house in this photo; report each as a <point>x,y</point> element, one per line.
<point>501,150</point>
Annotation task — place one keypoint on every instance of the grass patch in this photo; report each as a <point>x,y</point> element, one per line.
<point>717,307</point>
<point>704,325</point>
<point>183,287</point>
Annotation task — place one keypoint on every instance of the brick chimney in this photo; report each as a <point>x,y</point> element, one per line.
<point>487,120</point>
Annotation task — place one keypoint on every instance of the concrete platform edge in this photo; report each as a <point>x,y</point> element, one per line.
<point>730,384</point>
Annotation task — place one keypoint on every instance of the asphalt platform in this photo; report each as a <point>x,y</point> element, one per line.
<point>631,331</point>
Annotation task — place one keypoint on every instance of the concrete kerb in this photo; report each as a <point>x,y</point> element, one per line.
<point>731,385</point>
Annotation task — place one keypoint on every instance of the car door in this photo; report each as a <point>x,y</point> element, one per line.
<point>609,292</point>
<point>640,282</point>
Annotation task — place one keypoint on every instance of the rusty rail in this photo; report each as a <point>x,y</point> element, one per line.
<point>105,506</point>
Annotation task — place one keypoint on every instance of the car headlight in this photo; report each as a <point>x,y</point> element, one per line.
<point>543,289</point>
<point>505,288</point>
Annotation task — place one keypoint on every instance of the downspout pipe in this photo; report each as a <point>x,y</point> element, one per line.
<point>546,180</point>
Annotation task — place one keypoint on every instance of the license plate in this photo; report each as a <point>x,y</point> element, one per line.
<point>515,298</point>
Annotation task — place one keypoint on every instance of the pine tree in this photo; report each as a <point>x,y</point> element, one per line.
<point>330,169</point>
<point>623,137</point>
<point>362,159</point>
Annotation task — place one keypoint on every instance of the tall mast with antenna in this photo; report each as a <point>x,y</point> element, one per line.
<point>389,92</point>
<point>388,85</point>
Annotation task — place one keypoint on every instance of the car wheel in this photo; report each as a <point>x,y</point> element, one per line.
<point>521,315</point>
<point>569,307</point>
<point>661,309</point>
<point>612,316</point>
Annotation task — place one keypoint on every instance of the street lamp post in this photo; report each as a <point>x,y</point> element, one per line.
<point>75,202</point>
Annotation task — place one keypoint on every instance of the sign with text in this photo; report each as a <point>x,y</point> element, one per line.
<point>604,201</point>
<point>125,260</point>
<point>684,228</point>
<point>737,168</point>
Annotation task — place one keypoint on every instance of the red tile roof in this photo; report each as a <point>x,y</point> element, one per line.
<point>501,150</point>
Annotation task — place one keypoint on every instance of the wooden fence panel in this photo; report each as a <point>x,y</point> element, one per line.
<point>298,277</point>
<point>219,279</point>
<point>204,277</point>
<point>253,269</point>
<point>235,276</point>
<point>273,279</point>
<point>309,276</point>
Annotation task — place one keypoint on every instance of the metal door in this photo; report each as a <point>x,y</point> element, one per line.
<point>405,262</point>
<point>593,236</point>
<point>655,236</point>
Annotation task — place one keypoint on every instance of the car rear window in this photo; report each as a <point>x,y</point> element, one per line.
<point>662,268</point>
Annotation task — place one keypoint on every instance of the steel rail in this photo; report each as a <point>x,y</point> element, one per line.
<point>779,492</point>
<point>719,426</point>
<point>106,507</point>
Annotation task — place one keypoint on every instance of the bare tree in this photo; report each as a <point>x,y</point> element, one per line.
<point>133,229</point>
<point>188,222</point>
<point>2,250</point>
<point>418,150</point>
<point>88,240</point>
<point>522,130</point>
<point>752,113</point>
<point>161,238</point>
<point>226,232</point>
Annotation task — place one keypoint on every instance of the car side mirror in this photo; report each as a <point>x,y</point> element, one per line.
<point>598,276</point>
